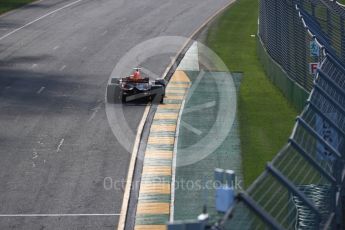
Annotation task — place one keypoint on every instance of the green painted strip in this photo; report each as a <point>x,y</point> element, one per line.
<point>151,146</point>
<point>177,88</point>
<point>180,82</point>
<point>156,198</point>
<point>157,162</point>
<point>164,111</point>
<point>164,122</point>
<point>150,219</point>
<point>151,179</point>
<point>182,93</point>
<point>172,111</point>
<point>173,101</point>
<point>162,134</point>
<point>168,110</point>
<point>160,147</point>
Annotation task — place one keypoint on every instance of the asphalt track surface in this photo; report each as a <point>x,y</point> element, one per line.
<point>56,146</point>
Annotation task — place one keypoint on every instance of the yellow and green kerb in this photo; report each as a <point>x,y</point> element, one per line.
<point>153,209</point>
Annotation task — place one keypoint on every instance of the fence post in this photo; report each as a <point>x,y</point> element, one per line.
<point>338,197</point>
<point>294,190</point>
<point>329,23</point>
<point>312,5</point>
<point>259,211</point>
<point>342,37</point>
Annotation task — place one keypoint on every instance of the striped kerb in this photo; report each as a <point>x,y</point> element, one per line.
<point>153,209</point>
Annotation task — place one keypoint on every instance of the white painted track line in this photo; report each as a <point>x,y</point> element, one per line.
<point>63,67</point>
<point>40,18</point>
<point>173,169</point>
<point>126,196</point>
<point>40,90</point>
<point>190,61</point>
<point>56,215</point>
<point>60,145</point>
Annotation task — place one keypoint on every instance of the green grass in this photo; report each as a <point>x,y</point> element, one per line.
<point>266,117</point>
<point>7,5</point>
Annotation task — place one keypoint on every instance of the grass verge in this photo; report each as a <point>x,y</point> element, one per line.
<point>266,117</point>
<point>7,5</point>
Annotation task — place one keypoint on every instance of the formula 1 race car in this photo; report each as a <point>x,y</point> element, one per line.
<point>136,87</point>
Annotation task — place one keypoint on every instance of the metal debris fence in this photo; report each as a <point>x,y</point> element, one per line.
<point>303,187</point>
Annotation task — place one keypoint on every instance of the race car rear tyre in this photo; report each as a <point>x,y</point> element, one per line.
<point>162,99</point>
<point>113,92</point>
<point>124,99</point>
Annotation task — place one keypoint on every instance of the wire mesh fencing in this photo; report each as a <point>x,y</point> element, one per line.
<point>303,186</point>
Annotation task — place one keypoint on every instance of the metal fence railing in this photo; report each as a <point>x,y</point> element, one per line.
<point>303,187</point>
